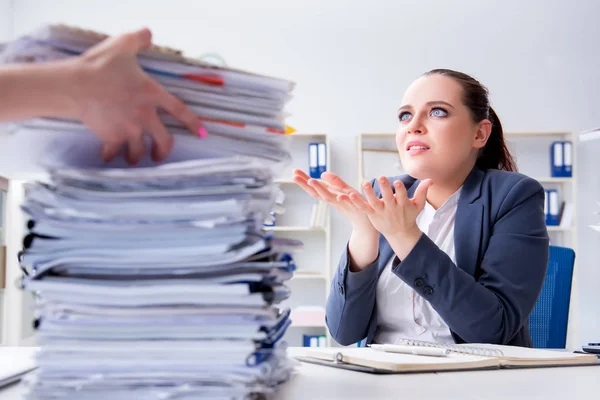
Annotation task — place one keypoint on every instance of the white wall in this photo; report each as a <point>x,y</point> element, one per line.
<point>5,20</point>
<point>352,62</point>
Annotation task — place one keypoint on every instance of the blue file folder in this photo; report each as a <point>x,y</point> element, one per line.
<point>556,159</point>
<point>313,160</point>
<point>322,158</point>
<point>567,159</point>
<point>552,207</point>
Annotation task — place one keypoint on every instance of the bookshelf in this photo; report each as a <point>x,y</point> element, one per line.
<point>312,278</point>
<point>378,155</point>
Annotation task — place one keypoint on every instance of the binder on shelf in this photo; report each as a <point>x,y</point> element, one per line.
<point>546,205</point>
<point>306,340</point>
<point>322,157</point>
<point>313,161</point>
<point>567,215</point>
<point>561,159</point>
<point>567,159</point>
<point>322,341</point>
<point>556,159</point>
<point>560,211</point>
<point>314,341</point>
<point>552,209</point>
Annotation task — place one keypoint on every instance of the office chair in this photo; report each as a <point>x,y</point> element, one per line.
<point>549,318</point>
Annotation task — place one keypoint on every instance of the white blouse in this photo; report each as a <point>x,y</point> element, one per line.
<point>402,313</point>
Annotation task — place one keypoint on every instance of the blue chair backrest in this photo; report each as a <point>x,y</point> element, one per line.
<point>549,318</point>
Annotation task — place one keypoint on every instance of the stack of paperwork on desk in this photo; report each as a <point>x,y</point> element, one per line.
<point>158,281</point>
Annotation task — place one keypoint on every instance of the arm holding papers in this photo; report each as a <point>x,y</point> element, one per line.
<point>105,89</point>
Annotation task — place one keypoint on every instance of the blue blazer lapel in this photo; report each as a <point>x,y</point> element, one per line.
<point>468,226</point>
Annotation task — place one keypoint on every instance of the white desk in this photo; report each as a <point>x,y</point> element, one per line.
<point>319,382</point>
<point>571,383</point>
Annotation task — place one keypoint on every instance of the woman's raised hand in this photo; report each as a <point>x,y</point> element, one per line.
<point>334,191</point>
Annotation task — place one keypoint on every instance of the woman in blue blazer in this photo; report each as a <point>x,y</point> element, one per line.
<point>455,251</point>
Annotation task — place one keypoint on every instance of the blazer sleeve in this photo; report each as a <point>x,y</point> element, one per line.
<point>493,306</point>
<point>351,298</point>
<point>351,301</point>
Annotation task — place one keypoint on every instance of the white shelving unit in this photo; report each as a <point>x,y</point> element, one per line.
<point>312,278</point>
<point>378,155</point>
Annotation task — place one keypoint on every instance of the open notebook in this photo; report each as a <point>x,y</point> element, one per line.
<point>460,357</point>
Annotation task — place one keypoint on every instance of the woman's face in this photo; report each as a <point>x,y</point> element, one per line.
<point>437,137</point>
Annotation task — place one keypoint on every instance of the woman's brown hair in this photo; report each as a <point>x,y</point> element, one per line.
<point>495,154</point>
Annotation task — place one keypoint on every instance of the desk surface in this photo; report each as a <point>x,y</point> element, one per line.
<point>319,382</point>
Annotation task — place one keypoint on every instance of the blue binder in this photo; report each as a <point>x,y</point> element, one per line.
<point>313,161</point>
<point>322,157</point>
<point>546,205</point>
<point>567,171</point>
<point>306,339</point>
<point>556,159</point>
<point>552,207</point>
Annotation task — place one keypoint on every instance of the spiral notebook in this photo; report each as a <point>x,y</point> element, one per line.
<point>460,357</point>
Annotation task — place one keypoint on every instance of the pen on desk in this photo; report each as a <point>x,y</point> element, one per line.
<point>420,351</point>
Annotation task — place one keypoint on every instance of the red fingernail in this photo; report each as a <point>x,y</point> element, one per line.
<point>202,132</point>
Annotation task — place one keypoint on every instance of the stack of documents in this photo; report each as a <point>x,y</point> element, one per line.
<point>158,281</point>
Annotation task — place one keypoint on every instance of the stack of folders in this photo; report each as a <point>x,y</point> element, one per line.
<point>561,156</point>
<point>557,213</point>
<point>317,159</point>
<point>158,281</point>
<point>314,341</point>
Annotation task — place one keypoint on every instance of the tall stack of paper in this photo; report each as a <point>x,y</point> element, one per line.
<point>158,281</point>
